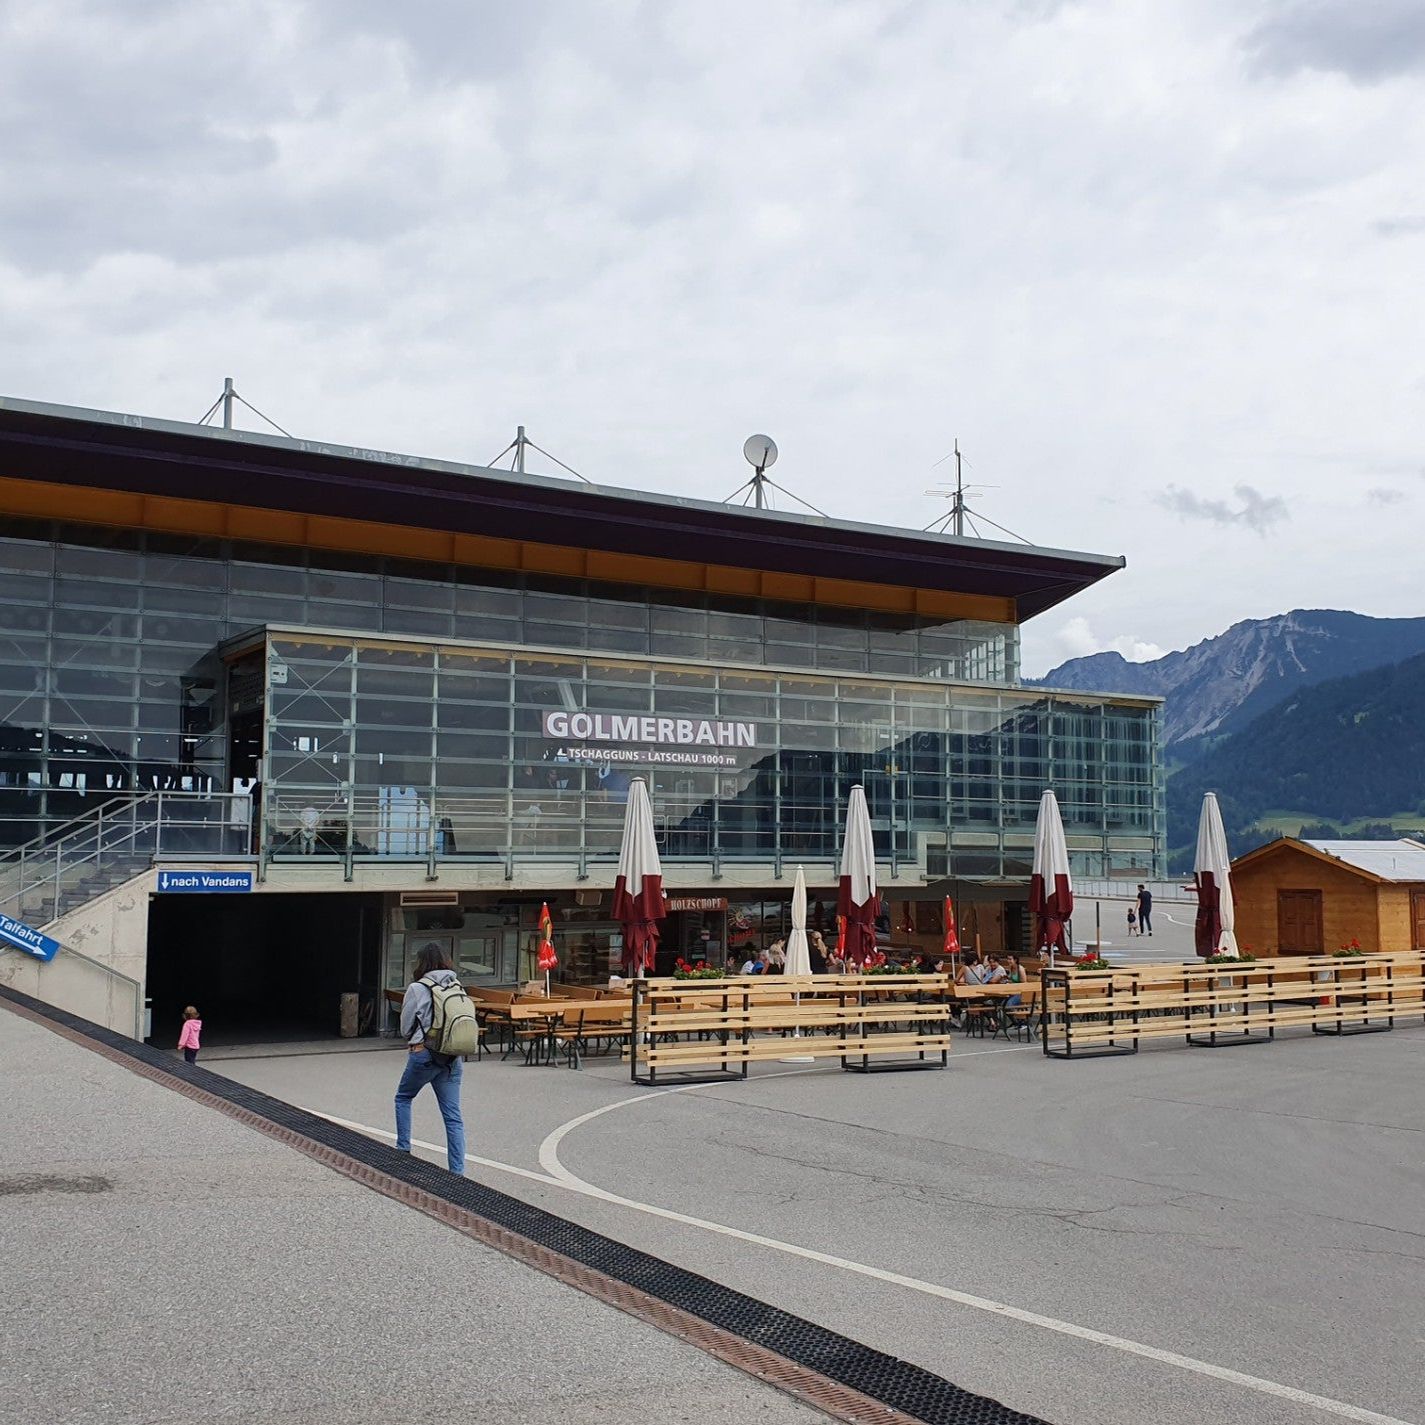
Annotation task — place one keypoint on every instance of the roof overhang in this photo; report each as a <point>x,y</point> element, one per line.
<point>61,462</point>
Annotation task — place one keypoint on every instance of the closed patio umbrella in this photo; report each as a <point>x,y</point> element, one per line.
<point>798,951</point>
<point>1051,892</point>
<point>639,903</point>
<point>951,947</point>
<point>856,898</point>
<point>1213,930</point>
<point>548,960</point>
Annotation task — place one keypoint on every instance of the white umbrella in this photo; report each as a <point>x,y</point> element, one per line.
<point>1212,870</point>
<point>798,953</point>
<point>1051,891</point>
<point>639,902</point>
<point>856,899</point>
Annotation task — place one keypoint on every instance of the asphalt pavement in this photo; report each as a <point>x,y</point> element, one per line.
<point>162,1262</point>
<point>1188,1235</point>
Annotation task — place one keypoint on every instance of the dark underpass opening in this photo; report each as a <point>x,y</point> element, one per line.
<point>265,968</point>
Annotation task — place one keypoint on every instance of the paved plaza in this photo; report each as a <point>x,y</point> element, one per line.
<point>165,1263</point>
<point>1056,1235</point>
<point>1188,1235</point>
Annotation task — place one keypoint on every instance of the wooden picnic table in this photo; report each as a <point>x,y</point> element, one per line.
<point>993,1002</point>
<point>546,1011</point>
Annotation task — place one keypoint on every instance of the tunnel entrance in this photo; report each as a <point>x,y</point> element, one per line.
<point>268,968</point>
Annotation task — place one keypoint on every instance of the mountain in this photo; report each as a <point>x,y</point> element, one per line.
<point>1220,685</point>
<point>1344,749</point>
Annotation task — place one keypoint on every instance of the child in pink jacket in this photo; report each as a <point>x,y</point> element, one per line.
<point>188,1039</point>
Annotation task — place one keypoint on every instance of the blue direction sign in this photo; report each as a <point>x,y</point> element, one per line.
<point>204,883</point>
<point>27,938</point>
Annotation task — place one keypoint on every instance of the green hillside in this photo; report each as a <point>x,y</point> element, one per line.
<point>1343,752</point>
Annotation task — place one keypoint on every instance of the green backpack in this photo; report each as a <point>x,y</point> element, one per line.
<point>454,1029</point>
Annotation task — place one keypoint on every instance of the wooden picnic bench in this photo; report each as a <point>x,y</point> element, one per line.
<point>1090,1013</point>
<point>708,1030</point>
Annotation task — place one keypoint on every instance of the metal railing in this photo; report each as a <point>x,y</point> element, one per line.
<point>68,982</point>
<point>1181,890</point>
<point>49,877</point>
<point>499,827</point>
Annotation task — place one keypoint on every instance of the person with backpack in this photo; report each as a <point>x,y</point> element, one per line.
<point>438,1024</point>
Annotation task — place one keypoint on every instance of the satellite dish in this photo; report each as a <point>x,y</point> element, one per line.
<point>760,451</point>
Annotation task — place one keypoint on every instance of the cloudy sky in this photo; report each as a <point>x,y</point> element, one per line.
<point>1156,263</point>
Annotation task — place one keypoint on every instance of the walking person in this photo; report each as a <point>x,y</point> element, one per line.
<point>188,1036</point>
<point>423,1066</point>
<point>1145,911</point>
<point>1132,920</point>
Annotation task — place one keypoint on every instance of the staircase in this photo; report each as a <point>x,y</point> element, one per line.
<point>55,874</point>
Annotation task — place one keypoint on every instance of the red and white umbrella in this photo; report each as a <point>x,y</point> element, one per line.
<point>1213,931</point>
<point>856,898</point>
<point>639,903</point>
<point>1051,892</point>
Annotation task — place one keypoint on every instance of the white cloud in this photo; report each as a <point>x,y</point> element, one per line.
<point>1075,638</point>
<point>1115,247</point>
<point>1254,510</point>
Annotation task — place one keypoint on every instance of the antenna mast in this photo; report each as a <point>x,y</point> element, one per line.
<point>958,508</point>
<point>959,514</point>
<point>227,400</point>
<point>522,443</point>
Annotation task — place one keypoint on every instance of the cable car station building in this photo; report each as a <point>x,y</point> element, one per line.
<point>406,698</point>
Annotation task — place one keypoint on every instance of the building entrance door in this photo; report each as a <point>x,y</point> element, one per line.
<point>1417,920</point>
<point>1299,923</point>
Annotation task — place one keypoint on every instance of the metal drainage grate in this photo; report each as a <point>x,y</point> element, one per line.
<point>841,1376</point>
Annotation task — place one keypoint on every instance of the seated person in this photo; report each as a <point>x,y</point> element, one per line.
<point>972,972</point>
<point>1014,973</point>
<point>817,953</point>
<point>996,974</point>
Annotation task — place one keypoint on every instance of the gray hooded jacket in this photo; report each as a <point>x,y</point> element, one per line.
<point>416,1007</point>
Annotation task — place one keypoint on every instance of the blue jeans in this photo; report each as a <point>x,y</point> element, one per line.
<point>421,1069</point>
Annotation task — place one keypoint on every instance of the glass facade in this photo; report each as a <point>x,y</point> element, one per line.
<point>399,747</point>
<point>418,720</point>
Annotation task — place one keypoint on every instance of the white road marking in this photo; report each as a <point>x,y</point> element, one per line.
<point>557,1175</point>
<point>436,1148</point>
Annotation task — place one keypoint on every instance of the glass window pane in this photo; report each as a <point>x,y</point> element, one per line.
<point>26,556</point>
<point>267,579</point>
